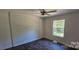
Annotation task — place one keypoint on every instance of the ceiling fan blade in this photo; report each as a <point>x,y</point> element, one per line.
<point>51,11</point>
<point>44,12</point>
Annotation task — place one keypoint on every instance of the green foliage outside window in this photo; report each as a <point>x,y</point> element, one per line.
<point>58,28</point>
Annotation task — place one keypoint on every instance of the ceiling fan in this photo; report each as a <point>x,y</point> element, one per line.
<point>44,12</point>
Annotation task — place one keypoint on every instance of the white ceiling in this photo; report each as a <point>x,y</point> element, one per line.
<point>36,12</point>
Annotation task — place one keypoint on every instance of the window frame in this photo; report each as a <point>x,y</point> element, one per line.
<point>63,28</point>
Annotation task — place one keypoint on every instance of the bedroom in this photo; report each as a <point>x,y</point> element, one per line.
<point>39,29</point>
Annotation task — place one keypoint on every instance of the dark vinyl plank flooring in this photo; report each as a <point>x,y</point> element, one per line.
<point>41,44</point>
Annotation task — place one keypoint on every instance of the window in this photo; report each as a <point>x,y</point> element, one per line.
<point>58,28</point>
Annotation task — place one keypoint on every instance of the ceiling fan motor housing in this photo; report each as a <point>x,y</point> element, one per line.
<point>43,12</point>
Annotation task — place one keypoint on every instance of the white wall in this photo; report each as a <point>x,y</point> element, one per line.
<point>71,28</point>
<point>18,27</point>
<point>5,38</point>
<point>25,28</point>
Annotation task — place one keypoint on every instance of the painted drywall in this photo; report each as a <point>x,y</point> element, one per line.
<point>25,28</point>
<point>5,38</point>
<point>71,28</point>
